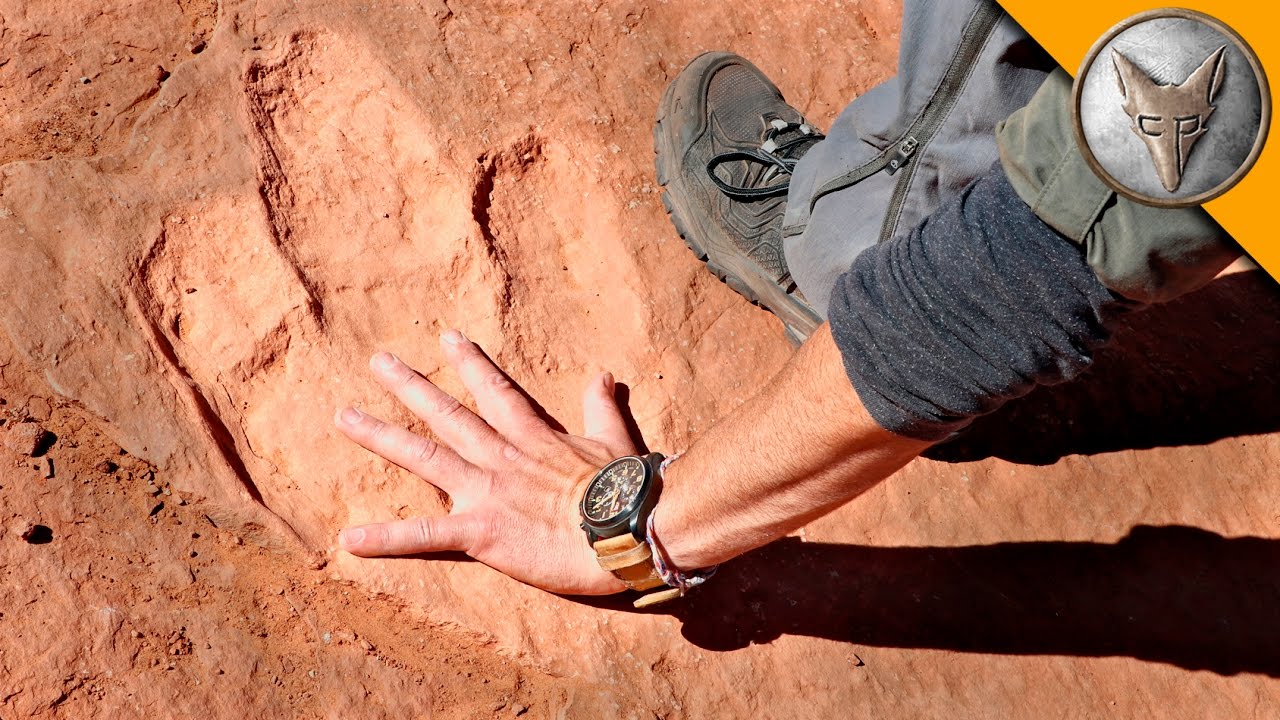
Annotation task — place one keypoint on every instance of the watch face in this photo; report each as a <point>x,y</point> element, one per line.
<point>614,489</point>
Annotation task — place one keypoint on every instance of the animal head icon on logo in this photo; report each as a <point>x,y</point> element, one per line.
<point>1194,92</point>
<point>1170,118</point>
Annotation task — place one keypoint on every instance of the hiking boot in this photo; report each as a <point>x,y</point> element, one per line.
<point>726,144</point>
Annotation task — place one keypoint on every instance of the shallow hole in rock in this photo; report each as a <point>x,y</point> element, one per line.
<point>38,535</point>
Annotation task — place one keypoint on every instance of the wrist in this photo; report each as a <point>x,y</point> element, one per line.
<point>681,579</point>
<point>617,516</point>
<point>682,540</point>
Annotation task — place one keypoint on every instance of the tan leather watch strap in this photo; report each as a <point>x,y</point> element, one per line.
<point>630,560</point>
<point>614,560</point>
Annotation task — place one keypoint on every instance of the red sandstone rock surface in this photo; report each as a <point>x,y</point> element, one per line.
<point>212,213</point>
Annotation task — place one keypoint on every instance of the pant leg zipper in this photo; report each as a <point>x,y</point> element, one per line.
<point>976,33</point>
<point>906,149</point>
<point>897,156</point>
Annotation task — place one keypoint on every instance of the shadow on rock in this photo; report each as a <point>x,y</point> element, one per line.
<point>1187,372</point>
<point>1177,595</point>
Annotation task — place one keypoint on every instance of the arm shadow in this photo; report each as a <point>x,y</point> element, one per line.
<point>1174,594</point>
<point>1188,372</point>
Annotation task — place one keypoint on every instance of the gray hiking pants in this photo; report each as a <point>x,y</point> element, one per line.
<point>962,98</point>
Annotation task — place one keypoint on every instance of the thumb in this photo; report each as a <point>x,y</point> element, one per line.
<point>601,418</point>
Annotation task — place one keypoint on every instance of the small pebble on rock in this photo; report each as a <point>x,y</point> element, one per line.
<point>39,409</point>
<point>25,438</point>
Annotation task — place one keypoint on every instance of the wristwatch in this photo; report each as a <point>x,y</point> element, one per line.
<point>615,508</point>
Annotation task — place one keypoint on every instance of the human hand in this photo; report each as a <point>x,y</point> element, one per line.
<point>514,480</point>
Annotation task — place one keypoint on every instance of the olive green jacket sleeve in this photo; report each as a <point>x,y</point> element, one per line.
<point>1143,253</point>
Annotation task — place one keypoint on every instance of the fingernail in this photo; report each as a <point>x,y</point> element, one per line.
<point>385,360</point>
<point>607,379</point>
<point>350,416</point>
<point>453,337</point>
<point>351,537</point>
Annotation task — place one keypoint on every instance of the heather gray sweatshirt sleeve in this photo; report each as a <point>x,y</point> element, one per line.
<point>977,305</point>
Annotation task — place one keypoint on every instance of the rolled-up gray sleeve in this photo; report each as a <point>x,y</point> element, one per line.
<point>975,306</point>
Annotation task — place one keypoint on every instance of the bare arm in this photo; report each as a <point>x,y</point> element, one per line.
<point>800,448</point>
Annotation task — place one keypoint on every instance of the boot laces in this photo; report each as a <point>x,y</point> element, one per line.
<point>783,145</point>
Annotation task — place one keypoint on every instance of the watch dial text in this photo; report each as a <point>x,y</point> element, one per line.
<point>614,490</point>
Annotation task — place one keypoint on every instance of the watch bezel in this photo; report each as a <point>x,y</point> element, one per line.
<point>625,520</point>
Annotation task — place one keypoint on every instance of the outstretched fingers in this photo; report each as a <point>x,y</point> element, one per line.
<point>449,419</point>
<point>409,537</point>
<point>499,401</point>
<point>425,458</point>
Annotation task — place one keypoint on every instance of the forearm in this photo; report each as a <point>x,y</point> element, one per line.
<point>976,306</point>
<point>797,450</point>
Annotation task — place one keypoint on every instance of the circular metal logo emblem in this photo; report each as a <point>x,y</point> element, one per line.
<point>1171,108</point>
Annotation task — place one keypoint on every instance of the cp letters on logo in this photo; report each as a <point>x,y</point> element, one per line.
<point>1170,118</point>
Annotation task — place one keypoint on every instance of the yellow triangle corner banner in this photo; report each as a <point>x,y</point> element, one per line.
<point>1250,211</point>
